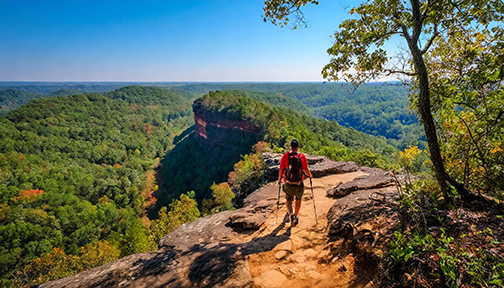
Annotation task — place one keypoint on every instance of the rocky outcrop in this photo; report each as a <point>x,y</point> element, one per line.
<point>375,178</point>
<point>318,165</point>
<point>366,213</point>
<point>372,209</point>
<point>220,129</point>
<point>257,208</point>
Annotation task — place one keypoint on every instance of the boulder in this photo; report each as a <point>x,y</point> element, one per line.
<point>361,213</point>
<point>204,230</point>
<point>376,178</point>
<point>244,219</point>
<point>257,208</point>
<point>332,167</point>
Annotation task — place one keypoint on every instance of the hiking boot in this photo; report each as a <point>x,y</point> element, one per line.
<point>294,220</point>
<point>286,218</point>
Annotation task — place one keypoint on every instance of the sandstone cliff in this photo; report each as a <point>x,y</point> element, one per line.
<point>221,129</point>
<point>251,247</point>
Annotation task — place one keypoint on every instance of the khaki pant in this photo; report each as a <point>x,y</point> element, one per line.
<point>293,191</point>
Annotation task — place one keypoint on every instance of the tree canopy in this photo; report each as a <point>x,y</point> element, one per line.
<point>358,55</point>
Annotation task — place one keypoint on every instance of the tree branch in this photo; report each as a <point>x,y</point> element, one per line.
<point>481,154</point>
<point>430,41</point>
<point>389,72</point>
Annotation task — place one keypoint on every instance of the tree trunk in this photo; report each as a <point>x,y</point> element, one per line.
<point>427,120</point>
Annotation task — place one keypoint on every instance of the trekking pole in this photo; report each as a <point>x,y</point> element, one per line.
<point>278,201</point>
<point>313,197</point>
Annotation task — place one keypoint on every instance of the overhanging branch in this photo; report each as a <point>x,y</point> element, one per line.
<point>430,41</point>
<point>390,72</point>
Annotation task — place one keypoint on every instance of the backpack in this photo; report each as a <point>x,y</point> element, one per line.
<point>294,168</point>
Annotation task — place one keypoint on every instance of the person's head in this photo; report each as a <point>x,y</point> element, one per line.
<point>294,145</point>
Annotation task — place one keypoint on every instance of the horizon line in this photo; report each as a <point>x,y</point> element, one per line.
<point>191,82</point>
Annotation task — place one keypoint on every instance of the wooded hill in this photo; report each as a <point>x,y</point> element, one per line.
<point>378,109</point>
<point>76,176</point>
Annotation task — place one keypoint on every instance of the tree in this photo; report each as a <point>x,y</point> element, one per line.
<point>467,96</point>
<point>182,210</point>
<point>98,253</point>
<point>135,239</point>
<point>358,46</point>
<point>222,197</point>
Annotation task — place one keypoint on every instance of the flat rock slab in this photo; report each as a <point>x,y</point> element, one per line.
<point>197,267</point>
<point>204,230</point>
<point>244,219</point>
<point>263,197</point>
<point>270,279</point>
<point>257,208</point>
<point>221,226</point>
<point>376,178</point>
<point>332,167</point>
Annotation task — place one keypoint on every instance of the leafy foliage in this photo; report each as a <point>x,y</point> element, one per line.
<point>452,257</point>
<point>467,102</point>
<point>72,173</point>
<point>221,200</point>
<point>58,264</point>
<point>181,211</point>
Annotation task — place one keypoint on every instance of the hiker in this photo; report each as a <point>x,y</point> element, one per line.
<point>293,167</point>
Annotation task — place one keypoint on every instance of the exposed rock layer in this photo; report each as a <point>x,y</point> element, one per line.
<point>376,178</point>
<point>218,129</point>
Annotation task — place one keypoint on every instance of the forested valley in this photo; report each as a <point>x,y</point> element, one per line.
<point>76,177</point>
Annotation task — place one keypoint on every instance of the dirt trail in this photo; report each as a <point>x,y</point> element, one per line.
<point>295,262</point>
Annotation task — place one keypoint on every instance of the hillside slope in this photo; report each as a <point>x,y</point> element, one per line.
<point>379,109</point>
<point>76,172</point>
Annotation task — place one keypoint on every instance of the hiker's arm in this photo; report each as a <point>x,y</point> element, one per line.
<point>306,170</point>
<point>283,165</point>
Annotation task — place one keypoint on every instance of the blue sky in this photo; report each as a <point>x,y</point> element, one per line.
<point>161,41</point>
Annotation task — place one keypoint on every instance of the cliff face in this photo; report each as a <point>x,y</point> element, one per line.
<point>220,130</point>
